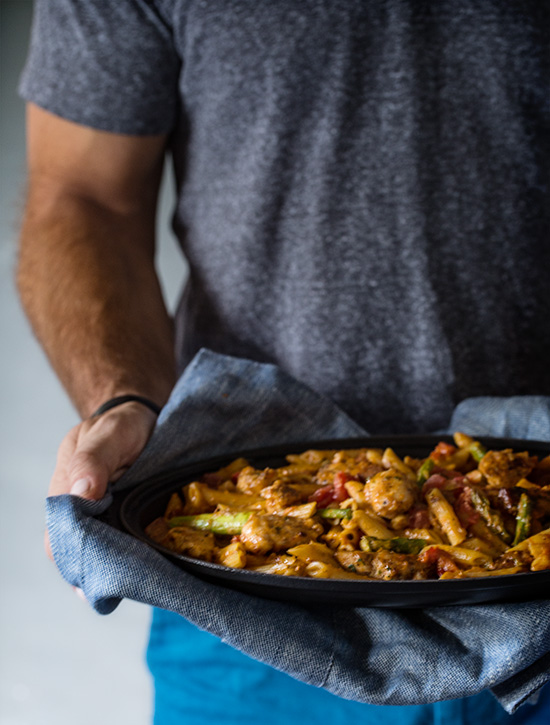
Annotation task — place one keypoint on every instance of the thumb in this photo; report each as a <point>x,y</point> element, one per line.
<point>100,454</point>
<point>89,473</point>
<point>105,447</point>
<point>98,450</point>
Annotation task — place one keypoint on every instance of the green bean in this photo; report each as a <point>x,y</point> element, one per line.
<point>524,519</point>
<point>477,451</point>
<point>399,544</point>
<point>228,524</point>
<point>425,471</point>
<point>335,513</point>
<point>491,517</point>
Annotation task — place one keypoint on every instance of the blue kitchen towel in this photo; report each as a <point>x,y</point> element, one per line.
<point>378,656</point>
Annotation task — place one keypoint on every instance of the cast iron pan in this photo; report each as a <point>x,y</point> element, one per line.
<point>134,510</point>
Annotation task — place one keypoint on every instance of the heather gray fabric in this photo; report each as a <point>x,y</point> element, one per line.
<point>363,185</point>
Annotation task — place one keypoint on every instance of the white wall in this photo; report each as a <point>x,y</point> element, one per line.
<point>60,662</point>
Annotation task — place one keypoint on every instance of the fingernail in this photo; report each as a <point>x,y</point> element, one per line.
<point>81,487</point>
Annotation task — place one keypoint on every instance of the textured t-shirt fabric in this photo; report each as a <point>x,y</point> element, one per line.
<point>362,185</point>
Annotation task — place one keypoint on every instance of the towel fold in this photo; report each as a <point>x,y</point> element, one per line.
<point>379,656</point>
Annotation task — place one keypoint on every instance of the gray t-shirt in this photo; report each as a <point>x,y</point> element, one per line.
<point>363,185</point>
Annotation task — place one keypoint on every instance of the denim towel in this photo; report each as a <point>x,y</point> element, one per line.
<point>378,656</point>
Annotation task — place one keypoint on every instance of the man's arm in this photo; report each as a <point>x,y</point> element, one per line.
<point>87,281</point>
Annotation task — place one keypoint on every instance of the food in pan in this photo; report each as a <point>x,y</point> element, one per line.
<point>367,513</point>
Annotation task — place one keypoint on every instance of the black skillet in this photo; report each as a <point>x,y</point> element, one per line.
<point>134,510</point>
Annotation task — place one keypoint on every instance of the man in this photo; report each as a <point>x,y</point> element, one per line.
<point>361,199</point>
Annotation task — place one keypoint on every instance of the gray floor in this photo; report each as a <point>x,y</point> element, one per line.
<point>60,662</point>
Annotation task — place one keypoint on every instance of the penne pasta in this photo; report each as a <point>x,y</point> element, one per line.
<point>367,513</point>
<point>446,516</point>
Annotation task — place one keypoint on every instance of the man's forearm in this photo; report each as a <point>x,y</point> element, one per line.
<point>87,281</point>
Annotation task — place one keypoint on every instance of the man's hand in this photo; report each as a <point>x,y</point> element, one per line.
<point>99,450</point>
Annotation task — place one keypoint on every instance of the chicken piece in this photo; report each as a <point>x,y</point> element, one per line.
<point>390,493</point>
<point>311,459</point>
<point>251,480</point>
<point>158,530</point>
<point>357,561</point>
<point>175,507</point>
<point>358,465</point>
<point>283,565</point>
<point>539,548</point>
<point>503,469</point>
<point>354,462</point>
<point>264,533</point>
<point>516,558</point>
<point>232,555</point>
<point>389,565</point>
<point>188,541</point>
<point>280,495</point>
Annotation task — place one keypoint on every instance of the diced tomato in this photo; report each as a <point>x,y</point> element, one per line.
<point>211,479</point>
<point>445,563</point>
<point>449,473</point>
<point>443,450</point>
<point>419,518</point>
<point>429,555</point>
<point>465,509</point>
<point>444,479</point>
<point>340,492</point>
<point>323,496</point>
<point>432,556</point>
<point>436,480</point>
<point>334,492</point>
<point>506,501</point>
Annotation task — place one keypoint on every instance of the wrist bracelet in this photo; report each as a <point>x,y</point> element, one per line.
<point>121,399</point>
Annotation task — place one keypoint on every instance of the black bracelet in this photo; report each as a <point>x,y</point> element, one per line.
<point>121,399</point>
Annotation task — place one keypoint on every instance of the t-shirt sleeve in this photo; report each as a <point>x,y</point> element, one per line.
<point>109,65</point>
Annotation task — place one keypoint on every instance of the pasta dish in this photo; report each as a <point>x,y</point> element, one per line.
<point>367,513</point>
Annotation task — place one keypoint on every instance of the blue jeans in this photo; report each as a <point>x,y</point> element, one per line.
<point>200,680</point>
